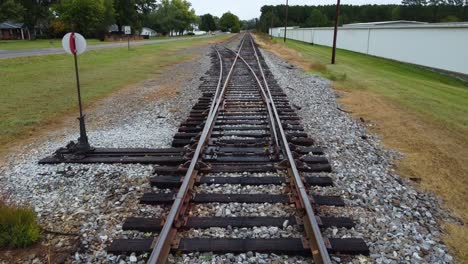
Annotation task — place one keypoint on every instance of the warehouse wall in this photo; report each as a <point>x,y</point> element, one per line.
<point>440,47</point>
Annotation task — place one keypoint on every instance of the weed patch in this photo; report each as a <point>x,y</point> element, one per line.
<point>18,227</point>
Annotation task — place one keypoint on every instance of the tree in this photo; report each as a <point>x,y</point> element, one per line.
<point>230,22</point>
<point>396,13</point>
<point>185,16</point>
<point>450,19</point>
<point>11,10</point>
<point>108,18</point>
<point>417,10</point>
<point>126,13</point>
<point>145,6</point>
<point>207,23</point>
<point>249,24</point>
<point>317,19</point>
<point>216,20</point>
<point>84,16</point>
<point>435,8</point>
<point>172,16</point>
<point>36,15</point>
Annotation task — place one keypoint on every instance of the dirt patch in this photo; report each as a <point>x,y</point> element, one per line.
<point>44,252</point>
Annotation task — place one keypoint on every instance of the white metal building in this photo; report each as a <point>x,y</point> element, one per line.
<point>440,45</point>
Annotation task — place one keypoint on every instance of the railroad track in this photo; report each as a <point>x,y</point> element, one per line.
<point>242,131</point>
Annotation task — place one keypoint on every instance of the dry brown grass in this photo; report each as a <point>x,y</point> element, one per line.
<point>289,55</point>
<point>435,154</point>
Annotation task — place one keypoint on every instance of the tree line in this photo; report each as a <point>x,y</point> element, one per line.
<point>227,22</point>
<point>52,18</point>
<point>322,16</point>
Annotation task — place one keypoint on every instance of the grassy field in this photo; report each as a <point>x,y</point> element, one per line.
<point>38,89</point>
<point>421,113</point>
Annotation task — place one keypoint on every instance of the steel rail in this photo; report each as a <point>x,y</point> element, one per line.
<point>220,80</point>
<point>314,236</point>
<point>265,99</point>
<point>163,243</point>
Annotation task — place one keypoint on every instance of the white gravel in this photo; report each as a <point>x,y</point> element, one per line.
<point>242,209</point>
<point>244,258</point>
<point>241,189</point>
<point>260,232</point>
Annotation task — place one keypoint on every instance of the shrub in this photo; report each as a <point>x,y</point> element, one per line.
<point>18,227</point>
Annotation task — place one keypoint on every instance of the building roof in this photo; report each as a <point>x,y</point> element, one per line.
<point>405,24</point>
<point>386,23</point>
<point>148,29</point>
<point>10,25</point>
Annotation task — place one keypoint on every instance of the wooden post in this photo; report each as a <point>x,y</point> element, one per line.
<point>335,31</point>
<point>271,26</point>
<point>286,24</point>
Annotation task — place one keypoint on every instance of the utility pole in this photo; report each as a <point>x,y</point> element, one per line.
<point>271,26</point>
<point>335,31</point>
<point>286,24</point>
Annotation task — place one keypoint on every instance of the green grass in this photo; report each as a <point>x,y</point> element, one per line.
<point>41,88</point>
<point>439,97</point>
<point>18,227</point>
<point>38,44</point>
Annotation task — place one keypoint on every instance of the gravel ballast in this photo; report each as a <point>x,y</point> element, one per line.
<point>398,222</point>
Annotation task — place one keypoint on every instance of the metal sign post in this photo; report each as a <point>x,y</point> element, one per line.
<point>75,44</point>
<point>128,32</point>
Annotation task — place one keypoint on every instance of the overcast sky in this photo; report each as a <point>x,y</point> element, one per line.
<point>247,9</point>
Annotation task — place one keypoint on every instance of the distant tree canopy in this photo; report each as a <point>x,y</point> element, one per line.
<point>207,23</point>
<point>52,18</point>
<point>249,24</point>
<point>171,16</point>
<point>10,9</point>
<point>33,13</point>
<point>83,16</point>
<point>229,22</point>
<point>318,16</point>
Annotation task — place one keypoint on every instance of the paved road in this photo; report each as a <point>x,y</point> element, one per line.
<point>6,54</point>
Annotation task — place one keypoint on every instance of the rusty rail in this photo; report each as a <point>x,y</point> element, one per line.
<point>219,81</point>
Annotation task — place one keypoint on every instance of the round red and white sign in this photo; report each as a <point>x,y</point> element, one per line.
<point>74,43</point>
